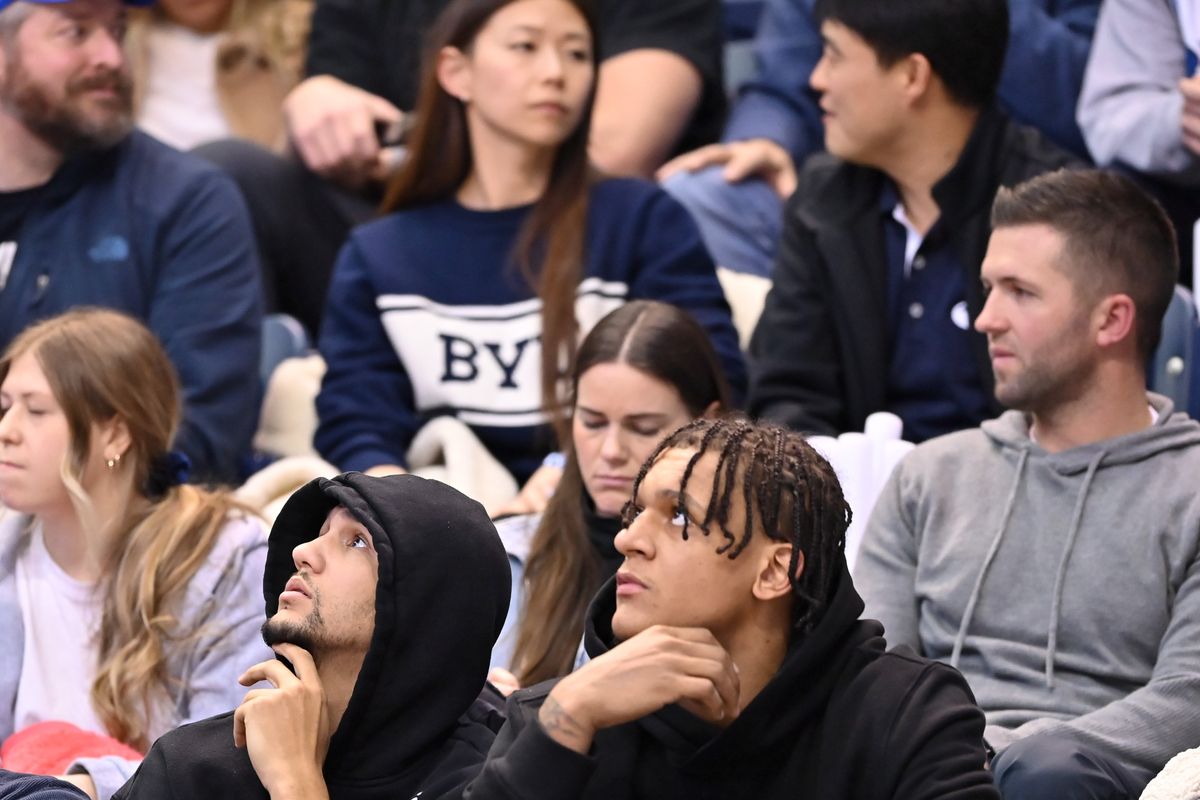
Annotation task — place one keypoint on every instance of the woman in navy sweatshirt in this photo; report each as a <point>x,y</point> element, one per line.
<point>503,247</point>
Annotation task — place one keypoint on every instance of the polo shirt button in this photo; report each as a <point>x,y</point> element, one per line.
<point>919,262</point>
<point>916,311</point>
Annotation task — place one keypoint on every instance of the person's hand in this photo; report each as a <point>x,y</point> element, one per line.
<point>505,682</point>
<point>658,667</point>
<point>1190,122</point>
<point>286,729</point>
<point>761,158</point>
<point>82,781</point>
<point>332,127</point>
<point>534,495</point>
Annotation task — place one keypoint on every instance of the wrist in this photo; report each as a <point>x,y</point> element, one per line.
<point>564,718</point>
<point>304,784</point>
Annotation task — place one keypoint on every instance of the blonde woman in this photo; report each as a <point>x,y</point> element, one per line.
<point>216,69</point>
<point>129,602</point>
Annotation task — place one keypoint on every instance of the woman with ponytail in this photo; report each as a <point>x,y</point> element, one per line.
<point>501,248</point>
<point>645,370</point>
<point>129,601</point>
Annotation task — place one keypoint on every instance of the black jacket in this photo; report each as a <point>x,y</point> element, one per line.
<point>413,723</point>
<point>819,358</point>
<point>842,720</point>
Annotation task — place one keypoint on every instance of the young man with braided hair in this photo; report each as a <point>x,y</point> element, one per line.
<point>728,657</point>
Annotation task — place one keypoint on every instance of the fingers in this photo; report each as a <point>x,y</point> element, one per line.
<point>239,726</point>
<point>504,681</point>
<point>695,160</point>
<point>272,671</point>
<point>301,661</point>
<point>391,117</point>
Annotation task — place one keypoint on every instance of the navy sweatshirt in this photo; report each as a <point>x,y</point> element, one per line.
<point>427,315</point>
<point>165,237</point>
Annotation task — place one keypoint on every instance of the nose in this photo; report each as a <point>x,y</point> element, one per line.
<point>552,66</point>
<point>818,79</point>
<point>9,433</point>
<point>106,49</point>
<point>988,320</point>
<point>613,449</point>
<point>308,556</point>
<point>633,539</point>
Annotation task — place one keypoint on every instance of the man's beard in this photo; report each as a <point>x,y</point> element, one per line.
<point>63,123</point>
<point>304,634</point>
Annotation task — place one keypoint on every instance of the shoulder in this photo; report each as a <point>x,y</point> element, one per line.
<point>905,691</point>
<point>162,168</point>
<point>200,755</point>
<point>516,533</point>
<point>945,452</point>
<point>424,222</point>
<point>1027,153</point>
<point>235,561</point>
<point>623,192</point>
<point>833,191</point>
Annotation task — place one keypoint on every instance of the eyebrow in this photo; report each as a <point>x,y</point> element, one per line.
<point>675,497</point>
<point>644,415</point>
<point>576,35</point>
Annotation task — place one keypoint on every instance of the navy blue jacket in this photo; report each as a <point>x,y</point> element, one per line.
<point>426,316</point>
<point>164,237</point>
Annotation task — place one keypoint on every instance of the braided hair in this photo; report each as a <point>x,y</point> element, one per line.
<point>792,490</point>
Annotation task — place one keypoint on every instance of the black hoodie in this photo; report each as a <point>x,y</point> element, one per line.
<point>413,724</point>
<point>841,719</point>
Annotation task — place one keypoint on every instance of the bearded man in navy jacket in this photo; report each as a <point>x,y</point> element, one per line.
<point>94,213</point>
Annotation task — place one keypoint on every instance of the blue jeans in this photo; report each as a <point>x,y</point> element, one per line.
<point>1054,767</point>
<point>739,222</point>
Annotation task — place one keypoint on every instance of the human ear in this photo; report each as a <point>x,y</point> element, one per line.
<point>114,438</point>
<point>916,74</point>
<point>453,73</point>
<point>1117,314</point>
<point>712,411</point>
<point>774,579</point>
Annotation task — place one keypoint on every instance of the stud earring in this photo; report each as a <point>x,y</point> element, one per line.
<point>113,462</point>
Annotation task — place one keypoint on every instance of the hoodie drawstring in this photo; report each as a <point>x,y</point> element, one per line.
<point>987,561</point>
<point>1056,604</point>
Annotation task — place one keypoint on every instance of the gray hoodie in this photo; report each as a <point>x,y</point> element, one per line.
<point>1065,586</point>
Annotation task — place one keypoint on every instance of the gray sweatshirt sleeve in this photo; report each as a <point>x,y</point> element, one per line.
<point>1130,108</point>
<point>1151,724</point>
<point>886,569</point>
<point>227,644</point>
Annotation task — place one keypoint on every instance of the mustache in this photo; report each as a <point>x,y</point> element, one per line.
<point>117,81</point>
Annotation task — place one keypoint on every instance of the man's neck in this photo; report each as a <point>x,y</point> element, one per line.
<point>758,649</point>
<point>339,673</point>
<point>923,156</point>
<point>26,161</point>
<point>1119,408</point>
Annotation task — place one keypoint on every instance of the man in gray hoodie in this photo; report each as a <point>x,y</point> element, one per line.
<point>1052,553</point>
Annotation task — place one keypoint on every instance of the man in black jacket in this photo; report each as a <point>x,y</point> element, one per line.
<point>387,618</point>
<point>728,659</point>
<point>877,283</point>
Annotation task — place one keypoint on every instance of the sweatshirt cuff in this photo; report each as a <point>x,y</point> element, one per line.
<point>541,767</point>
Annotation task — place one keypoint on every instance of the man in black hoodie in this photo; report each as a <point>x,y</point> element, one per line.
<point>386,595</point>
<point>728,660</point>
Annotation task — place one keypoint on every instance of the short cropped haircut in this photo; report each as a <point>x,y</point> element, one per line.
<point>964,40</point>
<point>1117,238</point>
<point>791,494</point>
<point>11,20</point>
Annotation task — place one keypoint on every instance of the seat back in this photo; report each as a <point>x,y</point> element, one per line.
<point>1171,371</point>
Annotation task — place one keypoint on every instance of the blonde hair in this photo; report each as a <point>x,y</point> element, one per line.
<point>102,365</point>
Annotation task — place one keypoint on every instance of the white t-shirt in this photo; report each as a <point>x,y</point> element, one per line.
<point>180,104</point>
<point>62,619</point>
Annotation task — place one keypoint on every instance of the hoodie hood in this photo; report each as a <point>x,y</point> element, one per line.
<point>440,603</point>
<point>813,667</point>
<point>1170,431</point>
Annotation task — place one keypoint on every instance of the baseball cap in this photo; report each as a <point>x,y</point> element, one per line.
<point>6,3</point>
